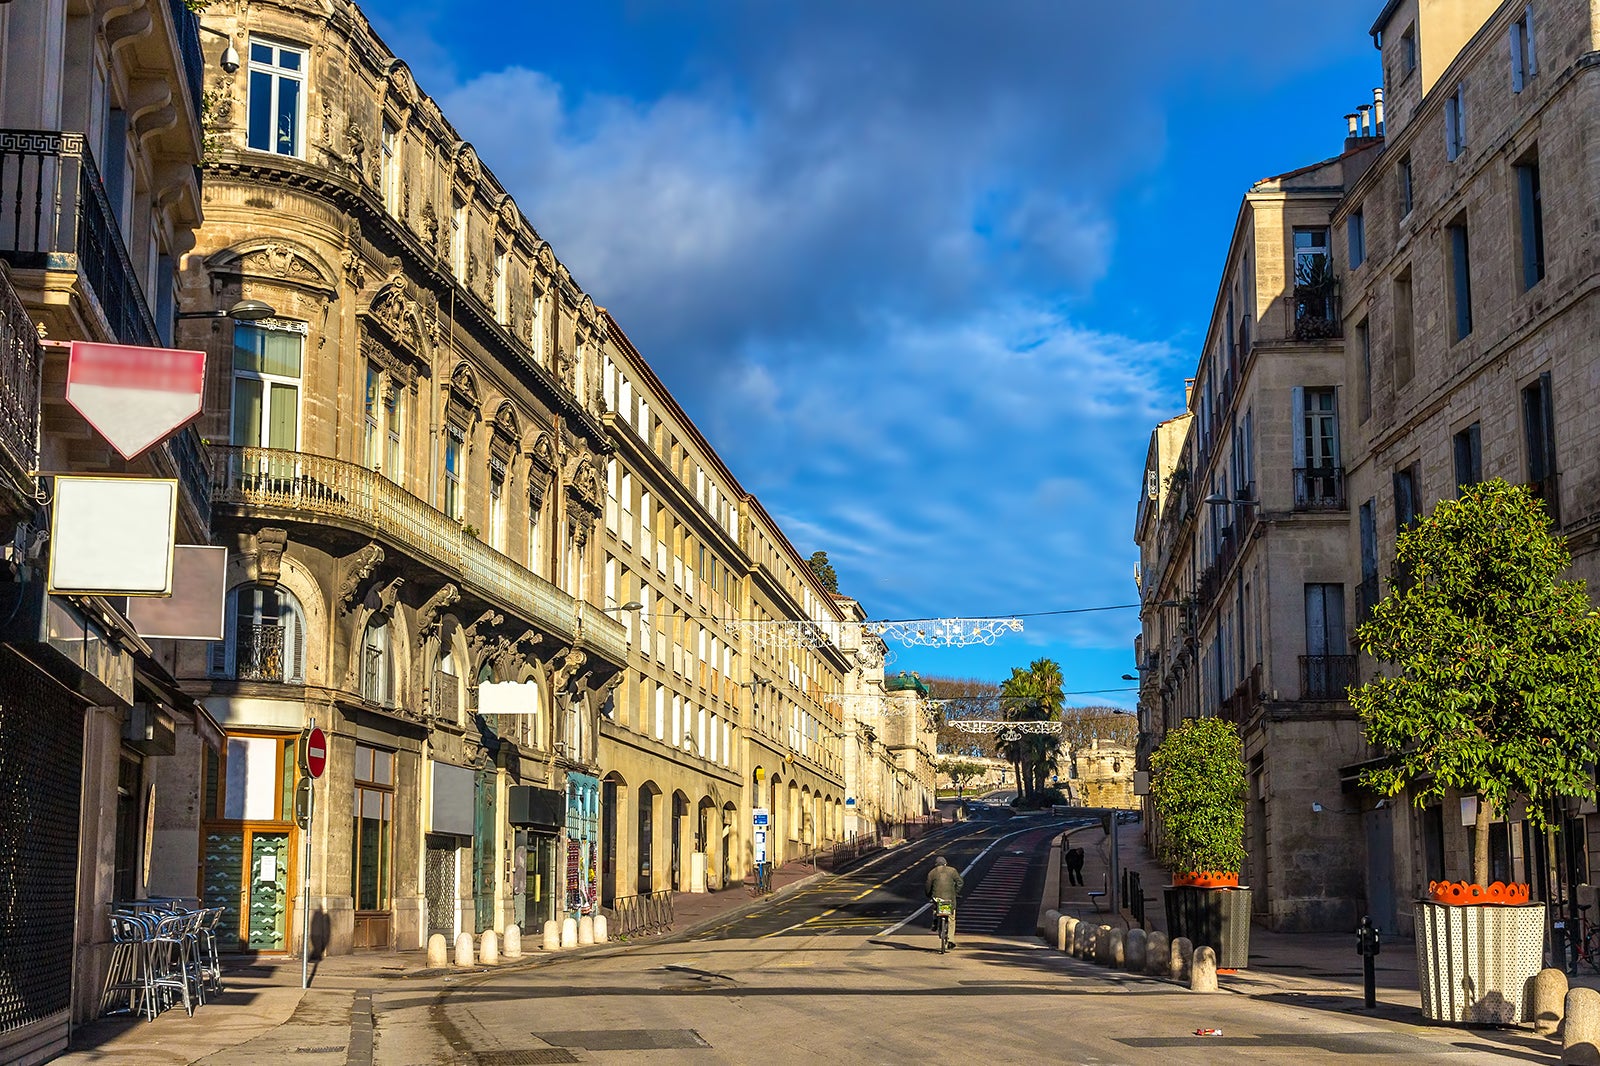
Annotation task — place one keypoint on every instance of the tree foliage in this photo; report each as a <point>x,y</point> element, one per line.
<point>1031,695</point>
<point>1497,686</point>
<point>964,698</point>
<point>1198,786</point>
<point>960,771</point>
<point>824,570</point>
<point>1082,726</point>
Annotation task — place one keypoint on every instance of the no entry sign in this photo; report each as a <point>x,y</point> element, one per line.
<point>134,396</point>
<point>316,752</point>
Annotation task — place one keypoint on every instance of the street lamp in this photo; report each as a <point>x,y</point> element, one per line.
<point>244,311</point>
<point>631,605</point>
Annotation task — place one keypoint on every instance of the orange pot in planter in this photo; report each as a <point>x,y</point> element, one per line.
<point>1207,879</point>
<point>1463,894</point>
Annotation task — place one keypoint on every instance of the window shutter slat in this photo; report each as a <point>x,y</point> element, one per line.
<point>1516,57</point>
<point>1528,54</point>
<point>1298,414</point>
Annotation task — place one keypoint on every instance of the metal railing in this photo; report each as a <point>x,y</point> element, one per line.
<point>189,462</point>
<point>55,215</point>
<point>1326,677</point>
<point>19,385</point>
<point>258,652</point>
<point>186,24</point>
<point>1316,313</point>
<point>640,915</point>
<point>319,485</point>
<point>1319,488</point>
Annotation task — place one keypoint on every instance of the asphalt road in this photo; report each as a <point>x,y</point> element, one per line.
<point>847,971</point>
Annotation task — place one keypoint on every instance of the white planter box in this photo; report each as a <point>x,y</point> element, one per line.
<point>1475,963</point>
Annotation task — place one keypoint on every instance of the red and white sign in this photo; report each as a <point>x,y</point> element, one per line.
<point>134,396</point>
<point>316,752</point>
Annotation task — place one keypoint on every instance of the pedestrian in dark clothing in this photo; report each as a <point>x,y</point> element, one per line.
<point>1075,866</point>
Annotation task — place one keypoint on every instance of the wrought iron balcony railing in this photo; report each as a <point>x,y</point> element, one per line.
<point>1326,677</point>
<point>187,26</point>
<point>19,388</point>
<point>258,652</point>
<point>55,215</point>
<point>317,485</point>
<point>1319,488</point>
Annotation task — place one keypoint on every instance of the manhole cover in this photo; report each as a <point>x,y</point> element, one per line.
<point>529,1057</point>
<point>625,1039</point>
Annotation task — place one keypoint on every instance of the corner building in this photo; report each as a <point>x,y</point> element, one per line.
<point>408,467</point>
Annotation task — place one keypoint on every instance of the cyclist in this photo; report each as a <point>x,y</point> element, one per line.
<point>944,884</point>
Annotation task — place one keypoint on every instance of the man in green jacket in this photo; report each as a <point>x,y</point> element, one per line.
<point>944,883</point>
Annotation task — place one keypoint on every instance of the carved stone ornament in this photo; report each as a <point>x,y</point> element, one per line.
<point>428,223</point>
<point>395,311</point>
<point>388,596</point>
<point>401,86</point>
<point>466,164</point>
<point>464,386</point>
<point>428,613</point>
<point>477,634</point>
<point>543,453</point>
<point>269,554</point>
<point>569,661</point>
<point>357,568</point>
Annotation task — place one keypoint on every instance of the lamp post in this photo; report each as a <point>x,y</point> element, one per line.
<point>243,310</point>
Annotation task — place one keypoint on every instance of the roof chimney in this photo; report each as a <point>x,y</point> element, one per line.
<point>1377,110</point>
<point>1352,123</point>
<point>1366,119</point>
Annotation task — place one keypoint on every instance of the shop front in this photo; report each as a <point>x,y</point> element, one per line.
<point>537,819</point>
<point>582,838</point>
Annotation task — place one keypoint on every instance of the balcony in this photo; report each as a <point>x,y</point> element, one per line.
<point>304,485</point>
<point>1316,312</point>
<point>1326,677</point>
<point>186,24</point>
<point>55,215</point>
<point>19,397</point>
<point>1240,707</point>
<point>258,653</point>
<point>1319,488</point>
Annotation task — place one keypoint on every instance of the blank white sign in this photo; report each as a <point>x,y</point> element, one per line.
<point>113,536</point>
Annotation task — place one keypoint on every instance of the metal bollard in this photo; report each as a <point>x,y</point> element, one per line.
<point>1368,946</point>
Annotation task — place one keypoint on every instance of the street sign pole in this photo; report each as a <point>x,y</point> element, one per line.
<point>313,760</point>
<point>305,910</point>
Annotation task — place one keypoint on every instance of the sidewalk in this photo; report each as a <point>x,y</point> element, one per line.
<point>263,1012</point>
<point>1318,969</point>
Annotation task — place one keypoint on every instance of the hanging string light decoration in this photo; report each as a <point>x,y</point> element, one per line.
<point>914,632</point>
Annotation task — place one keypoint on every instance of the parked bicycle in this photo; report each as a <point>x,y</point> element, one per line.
<point>1584,941</point>
<point>763,885</point>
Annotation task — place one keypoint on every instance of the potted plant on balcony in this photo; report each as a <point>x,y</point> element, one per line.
<point>1316,284</point>
<point>1493,697</point>
<point>1198,789</point>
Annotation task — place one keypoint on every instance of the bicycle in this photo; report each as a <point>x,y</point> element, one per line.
<point>943,910</point>
<point>763,885</point>
<point>1585,942</point>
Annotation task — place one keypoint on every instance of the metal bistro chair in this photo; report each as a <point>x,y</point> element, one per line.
<point>211,958</point>
<point>128,976</point>
<point>170,970</point>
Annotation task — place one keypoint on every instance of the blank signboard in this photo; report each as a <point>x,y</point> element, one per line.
<point>113,536</point>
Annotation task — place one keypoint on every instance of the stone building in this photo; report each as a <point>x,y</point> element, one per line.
<point>409,469</point>
<point>1242,528</point>
<point>1103,775</point>
<point>100,132</point>
<point>1471,314</point>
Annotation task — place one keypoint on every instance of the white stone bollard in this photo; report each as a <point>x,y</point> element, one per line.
<point>1179,955</point>
<point>569,933</point>
<point>1203,972</point>
<point>1156,954</point>
<point>513,944</point>
<point>1047,924</point>
<point>1117,952</point>
<point>1133,949</point>
<point>552,935</point>
<point>586,930</point>
<point>1102,945</point>
<point>601,936</point>
<point>438,951</point>
<point>1083,941</point>
<point>1580,1028</point>
<point>464,949</point>
<point>1064,927</point>
<point>489,948</point>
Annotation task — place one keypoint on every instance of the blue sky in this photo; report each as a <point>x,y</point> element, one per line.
<point>924,272</point>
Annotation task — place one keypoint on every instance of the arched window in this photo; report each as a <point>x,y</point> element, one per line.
<point>447,689</point>
<point>377,666</point>
<point>265,637</point>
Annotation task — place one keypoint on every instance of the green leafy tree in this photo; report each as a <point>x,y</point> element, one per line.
<point>958,698</point>
<point>825,573</point>
<point>1496,687</point>
<point>960,771</point>
<point>1198,786</point>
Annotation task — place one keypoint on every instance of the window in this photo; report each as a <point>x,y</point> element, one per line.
<point>391,167</point>
<point>265,637</point>
<point>454,442</point>
<point>1364,347</point>
<point>1356,238</point>
<point>1468,450</point>
<point>394,407</point>
<point>502,286</point>
<point>536,306</point>
<point>1530,219</point>
<point>497,507</point>
<point>1455,122</point>
<point>1539,434</point>
<point>1403,179</point>
<point>1460,278</point>
<point>458,236</point>
<point>1314,285</point>
<point>1368,592</point>
<point>373,831</point>
<point>535,547</point>
<point>266,386</point>
<point>1523,64</point>
<point>277,98</point>
<point>1408,51</point>
<point>1405,496</point>
<point>1402,340</point>
<point>376,668</point>
<point>1318,477</point>
<point>371,413</point>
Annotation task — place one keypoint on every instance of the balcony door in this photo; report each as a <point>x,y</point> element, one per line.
<point>1327,662</point>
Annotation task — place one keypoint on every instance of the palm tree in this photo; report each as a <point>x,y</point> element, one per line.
<point>1032,695</point>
